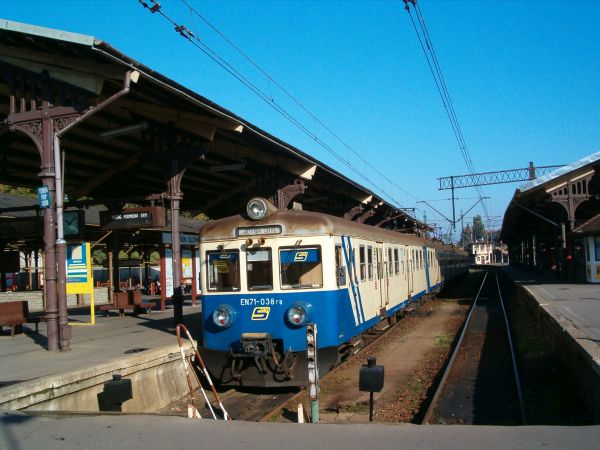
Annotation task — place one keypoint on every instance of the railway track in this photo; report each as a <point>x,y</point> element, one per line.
<point>260,405</point>
<point>481,383</point>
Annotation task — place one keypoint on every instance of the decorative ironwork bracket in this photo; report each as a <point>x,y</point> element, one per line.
<point>286,194</point>
<point>350,214</point>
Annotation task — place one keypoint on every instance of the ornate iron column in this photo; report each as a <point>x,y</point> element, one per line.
<point>45,123</point>
<point>175,196</point>
<point>40,124</point>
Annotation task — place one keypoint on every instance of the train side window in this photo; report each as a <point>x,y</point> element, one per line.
<point>363,263</point>
<point>259,269</point>
<point>370,262</point>
<point>223,270</point>
<point>390,262</point>
<point>301,268</point>
<point>396,262</point>
<point>340,267</point>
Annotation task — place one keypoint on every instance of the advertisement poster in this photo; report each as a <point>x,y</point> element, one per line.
<point>168,272</point>
<point>186,264</point>
<point>78,269</point>
<point>79,275</point>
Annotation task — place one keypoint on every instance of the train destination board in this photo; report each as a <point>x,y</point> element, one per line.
<point>153,216</point>
<point>256,231</point>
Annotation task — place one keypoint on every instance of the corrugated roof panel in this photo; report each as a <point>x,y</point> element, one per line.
<point>562,171</point>
<point>50,33</point>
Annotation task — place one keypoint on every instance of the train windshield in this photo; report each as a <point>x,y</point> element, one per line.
<point>223,270</point>
<point>259,269</point>
<point>301,268</point>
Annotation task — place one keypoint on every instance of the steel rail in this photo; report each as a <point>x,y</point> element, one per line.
<point>368,345</point>
<point>513,357</point>
<point>438,391</point>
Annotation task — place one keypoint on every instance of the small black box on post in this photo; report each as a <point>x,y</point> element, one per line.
<point>370,377</point>
<point>116,392</point>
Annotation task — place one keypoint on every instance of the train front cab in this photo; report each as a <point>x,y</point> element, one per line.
<point>259,296</point>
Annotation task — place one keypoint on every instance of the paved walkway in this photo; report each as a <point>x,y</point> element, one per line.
<point>21,432</point>
<point>578,304</point>
<point>24,357</point>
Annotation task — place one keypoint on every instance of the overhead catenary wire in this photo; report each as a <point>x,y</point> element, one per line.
<point>440,82</point>
<point>294,99</point>
<point>189,35</point>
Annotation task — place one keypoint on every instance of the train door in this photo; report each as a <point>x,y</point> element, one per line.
<point>409,271</point>
<point>427,262</point>
<point>382,277</point>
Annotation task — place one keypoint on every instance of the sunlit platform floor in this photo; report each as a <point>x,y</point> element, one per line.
<point>24,357</point>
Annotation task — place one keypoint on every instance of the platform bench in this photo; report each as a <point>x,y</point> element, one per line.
<point>128,300</point>
<point>15,314</point>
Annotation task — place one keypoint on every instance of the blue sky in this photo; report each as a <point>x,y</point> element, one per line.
<point>524,77</point>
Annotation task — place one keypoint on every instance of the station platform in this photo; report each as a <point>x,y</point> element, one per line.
<point>568,314</point>
<point>576,305</point>
<point>30,375</point>
<point>20,431</point>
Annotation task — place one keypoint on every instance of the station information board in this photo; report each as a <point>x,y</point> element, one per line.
<point>80,278</point>
<point>147,217</point>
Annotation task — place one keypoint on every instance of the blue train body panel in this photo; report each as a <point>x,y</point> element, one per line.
<point>267,314</point>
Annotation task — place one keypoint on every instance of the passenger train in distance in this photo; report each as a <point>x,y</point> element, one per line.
<point>269,273</point>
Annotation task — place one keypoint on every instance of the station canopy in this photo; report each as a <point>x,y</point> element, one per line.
<point>125,152</point>
<point>567,197</point>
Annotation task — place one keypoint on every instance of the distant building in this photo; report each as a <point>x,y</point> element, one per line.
<point>486,252</point>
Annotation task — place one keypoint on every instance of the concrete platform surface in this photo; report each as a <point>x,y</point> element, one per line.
<point>579,303</point>
<point>21,432</point>
<point>568,315</point>
<point>574,306</point>
<point>24,358</point>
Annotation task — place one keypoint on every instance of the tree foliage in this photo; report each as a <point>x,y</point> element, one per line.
<point>13,190</point>
<point>478,228</point>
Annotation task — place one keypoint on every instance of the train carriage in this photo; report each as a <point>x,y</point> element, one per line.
<point>269,273</point>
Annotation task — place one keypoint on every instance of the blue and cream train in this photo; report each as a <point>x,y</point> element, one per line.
<point>268,273</point>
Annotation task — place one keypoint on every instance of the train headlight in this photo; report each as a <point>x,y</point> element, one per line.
<point>297,315</point>
<point>223,316</point>
<point>257,208</point>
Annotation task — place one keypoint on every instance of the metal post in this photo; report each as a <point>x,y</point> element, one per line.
<point>453,208</point>
<point>176,196</point>
<point>462,228</point>
<point>176,246</point>
<point>313,371</point>
<point>116,270</point>
<point>61,257</point>
<point>531,171</point>
<point>194,275</point>
<point>47,176</point>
